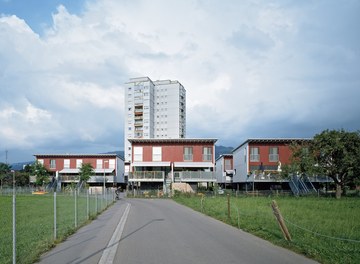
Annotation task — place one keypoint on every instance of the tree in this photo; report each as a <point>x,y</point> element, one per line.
<point>337,155</point>
<point>301,160</point>
<point>42,175</point>
<point>85,172</point>
<point>4,172</point>
<point>332,153</point>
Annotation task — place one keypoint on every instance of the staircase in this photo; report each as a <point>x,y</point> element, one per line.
<point>301,185</point>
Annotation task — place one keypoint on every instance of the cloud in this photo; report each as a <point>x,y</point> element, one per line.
<point>250,68</point>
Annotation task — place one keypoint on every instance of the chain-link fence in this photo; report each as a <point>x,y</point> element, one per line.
<point>43,219</point>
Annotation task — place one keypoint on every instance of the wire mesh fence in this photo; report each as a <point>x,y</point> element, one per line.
<point>43,219</point>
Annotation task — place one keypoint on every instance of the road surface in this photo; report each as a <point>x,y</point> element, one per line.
<point>162,231</point>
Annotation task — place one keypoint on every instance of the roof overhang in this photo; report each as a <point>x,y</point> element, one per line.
<point>193,164</point>
<point>151,164</point>
<point>172,140</point>
<point>77,171</point>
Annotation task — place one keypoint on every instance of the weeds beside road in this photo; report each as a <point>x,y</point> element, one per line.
<point>325,229</point>
<point>35,222</point>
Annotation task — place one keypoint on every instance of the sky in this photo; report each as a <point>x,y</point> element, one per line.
<point>251,69</point>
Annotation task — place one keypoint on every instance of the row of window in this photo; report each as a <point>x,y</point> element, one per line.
<point>187,154</point>
<point>273,154</point>
<point>99,163</point>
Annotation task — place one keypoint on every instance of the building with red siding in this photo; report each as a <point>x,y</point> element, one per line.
<point>258,162</point>
<point>108,168</point>
<point>159,163</point>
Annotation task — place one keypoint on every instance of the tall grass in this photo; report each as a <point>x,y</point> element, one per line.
<point>35,223</point>
<point>325,229</point>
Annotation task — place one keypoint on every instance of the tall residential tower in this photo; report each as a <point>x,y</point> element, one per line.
<point>153,110</point>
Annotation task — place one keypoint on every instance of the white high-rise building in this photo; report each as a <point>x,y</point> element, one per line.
<point>153,110</point>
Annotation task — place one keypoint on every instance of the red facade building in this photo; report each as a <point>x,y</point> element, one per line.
<point>156,163</point>
<point>108,168</point>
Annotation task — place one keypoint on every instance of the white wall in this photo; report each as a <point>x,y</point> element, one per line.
<point>240,161</point>
<point>219,170</point>
<point>120,170</point>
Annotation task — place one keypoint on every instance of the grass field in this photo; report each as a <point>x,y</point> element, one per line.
<point>318,226</point>
<point>35,223</point>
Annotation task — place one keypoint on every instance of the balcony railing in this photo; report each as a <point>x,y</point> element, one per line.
<point>93,179</point>
<point>194,176</point>
<point>146,176</point>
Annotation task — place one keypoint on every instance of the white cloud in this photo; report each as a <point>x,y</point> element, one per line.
<point>246,65</point>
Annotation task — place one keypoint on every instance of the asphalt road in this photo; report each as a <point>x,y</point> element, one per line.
<point>162,231</point>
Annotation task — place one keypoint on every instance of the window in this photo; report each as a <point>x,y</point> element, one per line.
<point>188,153</point>
<point>138,154</point>
<point>207,154</point>
<point>78,163</point>
<point>227,164</point>
<point>112,164</point>
<point>99,163</point>
<point>156,154</point>
<point>273,154</point>
<point>66,164</point>
<point>254,154</point>
<point>41,161</point>
<point>52,164</point>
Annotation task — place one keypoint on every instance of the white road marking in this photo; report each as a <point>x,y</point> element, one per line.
<point>110,251</point>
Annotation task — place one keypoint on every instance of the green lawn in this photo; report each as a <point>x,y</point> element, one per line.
<point>35,223</point>
<point>318,226</point>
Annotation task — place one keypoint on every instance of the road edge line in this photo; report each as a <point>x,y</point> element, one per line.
<point>108,254</point>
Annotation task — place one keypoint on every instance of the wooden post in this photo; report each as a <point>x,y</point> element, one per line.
<point>280,220</point>
<point>228,203</point>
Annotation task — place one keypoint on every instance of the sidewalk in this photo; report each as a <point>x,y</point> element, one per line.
<point>89,242</point>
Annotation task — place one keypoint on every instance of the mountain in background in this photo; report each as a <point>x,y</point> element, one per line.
<point>220,150</point>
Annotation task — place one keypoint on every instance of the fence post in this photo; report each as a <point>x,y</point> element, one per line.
<point>96,203</point>
<point>238,216</point>
<point>87,204</point>
<point>14,219</point>
<point>55,215</point>
<point>75,194</point>
<point>280,220</point>
<point>228,205</point>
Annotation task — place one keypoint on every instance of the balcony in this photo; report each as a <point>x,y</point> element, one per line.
<point>146,176</point>
<point>93,179</point>
<point>194,176</point>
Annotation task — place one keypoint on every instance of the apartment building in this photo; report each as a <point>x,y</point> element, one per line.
<point>108,168</point>
<point>258,162</point>
<point>157,163</point>
<point>153,109</point>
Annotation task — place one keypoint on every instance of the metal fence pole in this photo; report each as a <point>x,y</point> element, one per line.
<point>96,203</point>
<point>14,219</point>
<point>87,205</point>
<point>75,208</point>
<point>55,215</point>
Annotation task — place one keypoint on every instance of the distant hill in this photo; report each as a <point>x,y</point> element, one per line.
<point>220,150</point>
<point>117,152</point>
<point>20,165</point>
